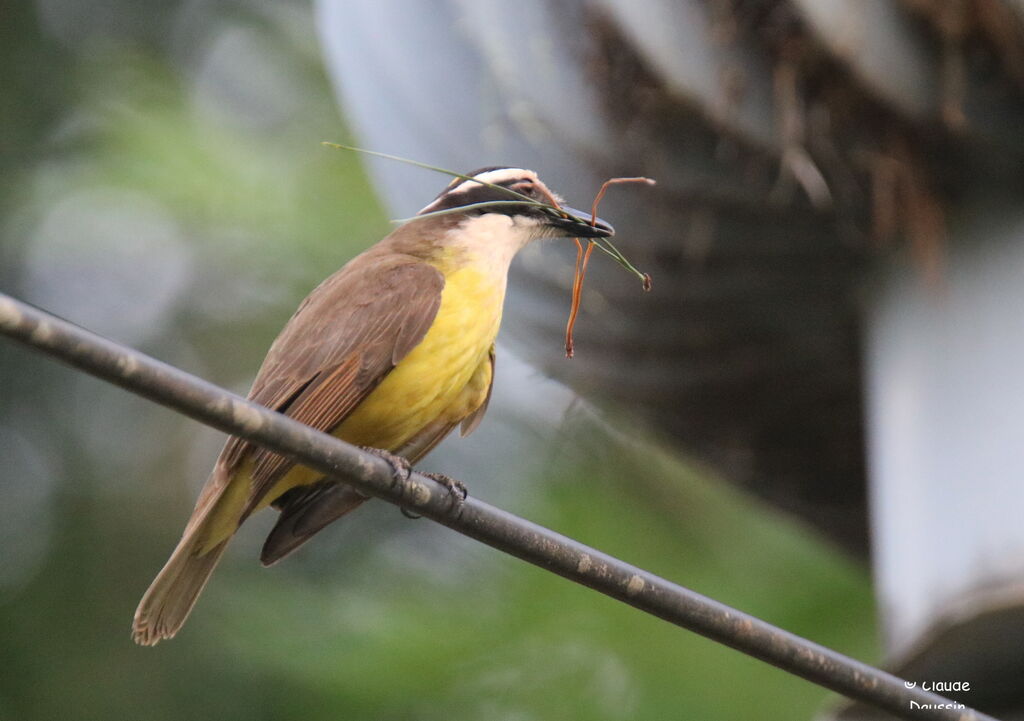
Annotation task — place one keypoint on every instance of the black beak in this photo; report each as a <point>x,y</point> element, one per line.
<point>578,224</point>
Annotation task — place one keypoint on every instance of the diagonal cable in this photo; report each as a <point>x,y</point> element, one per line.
<point>214,406</point>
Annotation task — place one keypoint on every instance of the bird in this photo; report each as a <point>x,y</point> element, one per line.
<point>390,353</point>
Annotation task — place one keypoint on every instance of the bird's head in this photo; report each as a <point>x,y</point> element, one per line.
<point>519,196</point>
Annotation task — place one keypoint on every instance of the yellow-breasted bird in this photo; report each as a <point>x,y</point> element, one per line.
<point>391,352</point>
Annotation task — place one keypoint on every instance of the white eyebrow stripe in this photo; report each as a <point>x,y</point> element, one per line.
<point>494,177</point>
<point>501,175</point>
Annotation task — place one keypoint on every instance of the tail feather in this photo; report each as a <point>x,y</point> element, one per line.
<point>217,515</point>
<point>304,512</point>
<point>173,593</point>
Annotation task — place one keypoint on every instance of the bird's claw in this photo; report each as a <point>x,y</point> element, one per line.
<point>456,488</point>
<point>400,468</point>
<point>400,471</point>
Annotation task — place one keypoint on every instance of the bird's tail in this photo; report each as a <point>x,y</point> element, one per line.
<point>305,511</point>
<point>174,591</point>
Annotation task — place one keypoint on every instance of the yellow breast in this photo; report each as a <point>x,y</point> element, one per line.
<point>446,376</point>
<point>431,381</point>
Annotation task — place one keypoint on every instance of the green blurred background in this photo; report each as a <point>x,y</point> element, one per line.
<point>162,182</point>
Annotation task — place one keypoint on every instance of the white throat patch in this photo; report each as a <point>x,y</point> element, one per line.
<point>490,241</point>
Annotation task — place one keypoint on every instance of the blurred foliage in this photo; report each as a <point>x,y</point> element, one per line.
<point>170,191</point>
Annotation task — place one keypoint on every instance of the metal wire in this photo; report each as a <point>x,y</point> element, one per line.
<point>424,496</point>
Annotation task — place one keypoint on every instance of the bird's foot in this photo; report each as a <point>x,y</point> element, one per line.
<point>400,470</point>
<point>456,488</point>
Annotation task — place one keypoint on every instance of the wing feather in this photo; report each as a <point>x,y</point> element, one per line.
<point>341,343</point>
<point>470,422</point>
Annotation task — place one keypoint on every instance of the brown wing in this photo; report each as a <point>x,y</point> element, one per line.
<point>342,341</point>
<point>470,422</point>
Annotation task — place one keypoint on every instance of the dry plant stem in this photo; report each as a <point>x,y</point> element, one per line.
<point>444,171</point>
<point>551,198</point>
<point>577,294</point>
<point>583,258</point>
<point>604,189</point>
<point>570,350</point>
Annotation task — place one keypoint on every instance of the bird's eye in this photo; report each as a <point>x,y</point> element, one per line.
<point>524,188</point>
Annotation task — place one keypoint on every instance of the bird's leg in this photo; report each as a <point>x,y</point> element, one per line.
<point>400,467</point>
<point>456,488</point>
<point>400,470</point>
